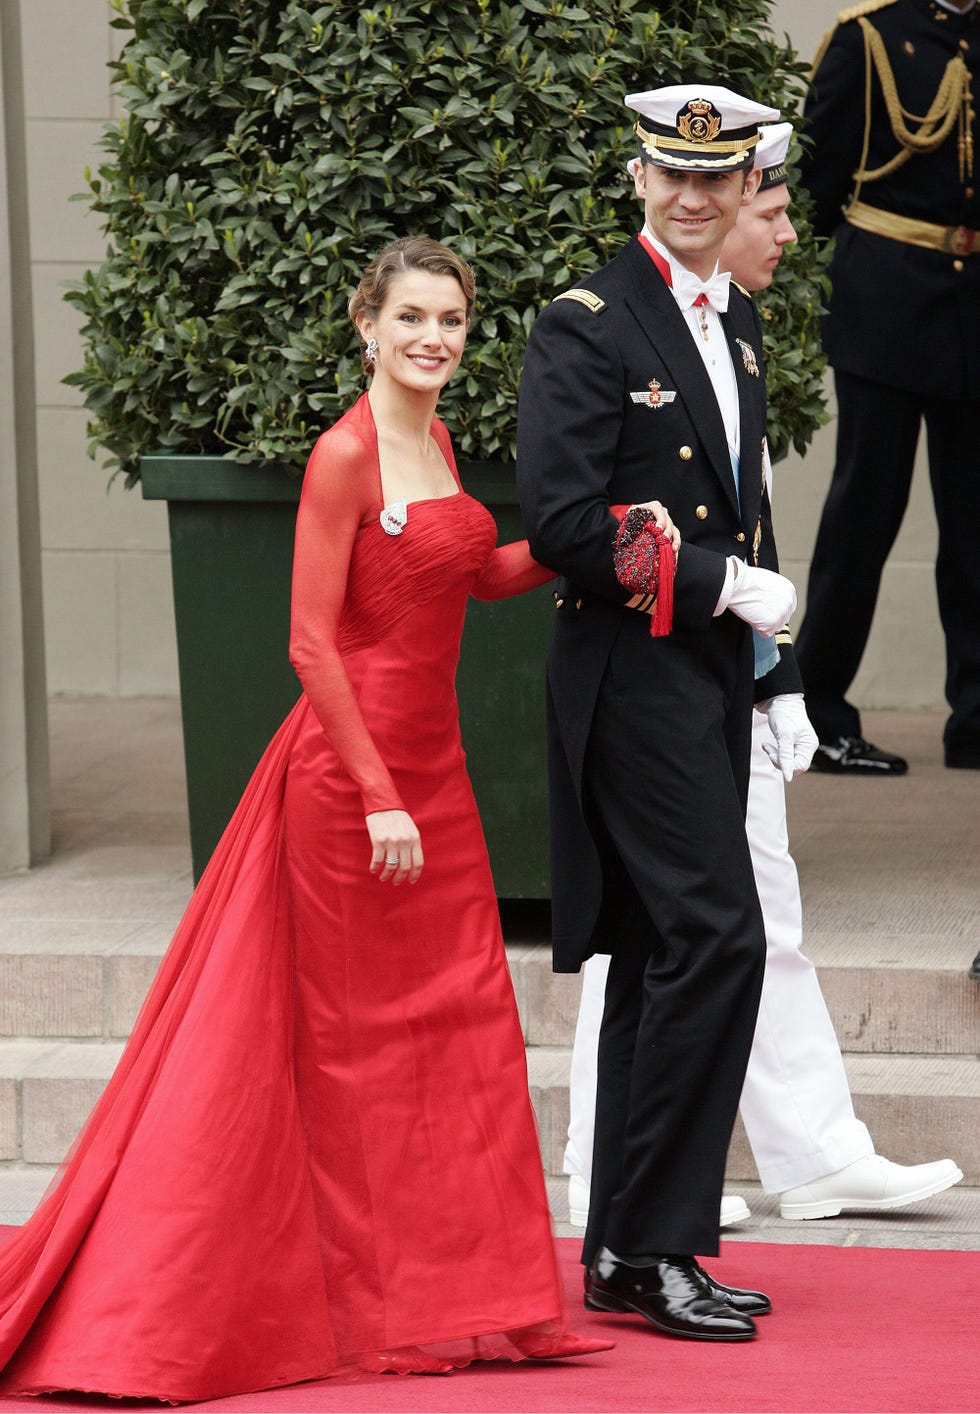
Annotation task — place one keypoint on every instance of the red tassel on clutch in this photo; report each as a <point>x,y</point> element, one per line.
<point>643,557</point>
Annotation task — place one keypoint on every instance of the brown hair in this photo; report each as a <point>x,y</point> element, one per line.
<point>407,253</point>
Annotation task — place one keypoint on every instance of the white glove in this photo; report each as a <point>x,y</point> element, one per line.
<point>762,598</point>
<point>796,741</point>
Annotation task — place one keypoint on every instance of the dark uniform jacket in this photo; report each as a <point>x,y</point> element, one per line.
<point>900,315</point>
<point>584,444</point>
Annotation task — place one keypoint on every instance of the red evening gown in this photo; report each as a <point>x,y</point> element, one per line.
<point>317,1152</point>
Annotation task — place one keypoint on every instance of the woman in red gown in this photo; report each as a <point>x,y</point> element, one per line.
<point>317,1152</point>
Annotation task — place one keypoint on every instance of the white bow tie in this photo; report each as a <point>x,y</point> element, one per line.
<point>688,287</point>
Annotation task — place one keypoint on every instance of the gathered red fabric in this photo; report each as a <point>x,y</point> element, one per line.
<point>317,1152</point>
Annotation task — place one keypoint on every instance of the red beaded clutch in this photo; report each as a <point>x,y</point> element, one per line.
<point>643,557</point>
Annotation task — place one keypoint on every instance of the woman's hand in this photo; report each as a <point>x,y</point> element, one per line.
<point>663,521</point>
<point>396,846</point>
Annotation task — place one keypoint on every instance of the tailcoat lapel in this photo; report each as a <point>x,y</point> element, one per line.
<point>655,310</point>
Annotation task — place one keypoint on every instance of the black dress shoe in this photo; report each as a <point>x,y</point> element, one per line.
<point>853,756</point>
<point>671,1293</point>
<point>750,1303</point>
<point>974,971</point>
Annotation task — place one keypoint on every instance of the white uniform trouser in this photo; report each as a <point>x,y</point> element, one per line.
<point>796,1102</point>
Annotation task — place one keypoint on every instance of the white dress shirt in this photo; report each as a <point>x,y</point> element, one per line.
<point>714,349</point>
<point>718,364</point>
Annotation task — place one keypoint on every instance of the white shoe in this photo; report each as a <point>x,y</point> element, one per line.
<point>733,1208</point>
<point>871,1185</point>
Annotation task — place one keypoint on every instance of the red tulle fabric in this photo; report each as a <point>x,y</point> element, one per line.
<point>644,561</point>
<point>317,1152</point>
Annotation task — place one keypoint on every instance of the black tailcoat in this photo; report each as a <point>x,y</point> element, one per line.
<point>583,445</point>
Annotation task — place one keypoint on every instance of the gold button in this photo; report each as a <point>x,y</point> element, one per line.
<point>969,192</point>
<point>702,512</point>
<point>558,603</point>
<point>740,537</point>
<point>686,454</point>
<point>964,44</point>
<point>957,265</point>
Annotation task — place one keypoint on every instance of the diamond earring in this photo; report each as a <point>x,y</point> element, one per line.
<point>371,350</point>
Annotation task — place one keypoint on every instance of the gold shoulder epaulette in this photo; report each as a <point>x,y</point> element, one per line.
<point>853,12</point>
<point>866,7</point>
<point>592,302</point>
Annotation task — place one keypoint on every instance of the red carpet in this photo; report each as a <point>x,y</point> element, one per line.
<point>854,1329</point>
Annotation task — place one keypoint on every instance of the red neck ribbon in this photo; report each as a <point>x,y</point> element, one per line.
<point>657,259</point>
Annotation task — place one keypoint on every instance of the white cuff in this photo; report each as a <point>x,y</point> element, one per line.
<point>727,589</point>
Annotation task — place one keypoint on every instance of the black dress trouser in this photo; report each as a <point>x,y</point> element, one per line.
<point>877,432</point>
<point>665,783</point>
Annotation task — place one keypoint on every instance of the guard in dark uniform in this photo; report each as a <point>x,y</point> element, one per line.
<point>892,167</point>
<point>647,382</point>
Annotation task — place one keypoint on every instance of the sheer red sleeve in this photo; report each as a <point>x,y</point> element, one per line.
<point>510,570</point>
<point>337,496</point>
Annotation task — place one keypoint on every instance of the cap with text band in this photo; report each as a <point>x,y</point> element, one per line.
<point>770,154</point>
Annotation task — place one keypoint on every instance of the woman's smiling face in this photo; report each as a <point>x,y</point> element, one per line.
<point>420,329</point>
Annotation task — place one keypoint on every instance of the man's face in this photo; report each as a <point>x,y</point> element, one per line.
<point>753,249</point>
<point>691,213</point>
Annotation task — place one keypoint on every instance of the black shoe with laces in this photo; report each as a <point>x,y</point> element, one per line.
<point>853,756</point>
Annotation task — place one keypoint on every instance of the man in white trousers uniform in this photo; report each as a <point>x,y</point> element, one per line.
<point>807,1142</point>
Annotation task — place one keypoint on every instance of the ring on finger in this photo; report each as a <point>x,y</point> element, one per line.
<point>389,860</point>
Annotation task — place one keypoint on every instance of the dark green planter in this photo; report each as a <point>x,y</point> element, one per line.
<point>231,544</point>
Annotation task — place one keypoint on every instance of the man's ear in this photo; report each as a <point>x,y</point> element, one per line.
<point>751,186</point>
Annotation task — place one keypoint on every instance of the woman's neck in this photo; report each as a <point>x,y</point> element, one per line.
<point>402,411</point>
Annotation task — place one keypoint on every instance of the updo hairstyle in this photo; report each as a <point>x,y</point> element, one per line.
<point>406,254</point>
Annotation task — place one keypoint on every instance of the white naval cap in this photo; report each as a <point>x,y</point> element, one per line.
<point>698,127</point>
<point>770,153</point>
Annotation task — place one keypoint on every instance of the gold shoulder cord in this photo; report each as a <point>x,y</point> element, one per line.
<point>952,103</point>
<point>854,12</point>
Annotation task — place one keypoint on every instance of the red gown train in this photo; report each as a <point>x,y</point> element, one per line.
<point>317,1152</point>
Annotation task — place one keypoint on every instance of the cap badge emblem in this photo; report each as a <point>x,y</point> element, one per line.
<point>748,358</point>
<point>699,121</point>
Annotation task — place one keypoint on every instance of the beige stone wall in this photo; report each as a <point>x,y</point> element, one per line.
<point>107,596</point>
<point>108,614</point>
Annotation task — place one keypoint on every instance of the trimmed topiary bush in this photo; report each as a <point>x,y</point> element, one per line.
<point>270,147</point>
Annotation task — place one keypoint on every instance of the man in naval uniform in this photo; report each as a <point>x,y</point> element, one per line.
<point>645,386</point>
<point>808,1144</point>
<point>892,167</point>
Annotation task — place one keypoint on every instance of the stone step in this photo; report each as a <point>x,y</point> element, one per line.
<point>916,1107</point>
<point>69,978</point>
<point>47,1089</point>
<point>887,995</point>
